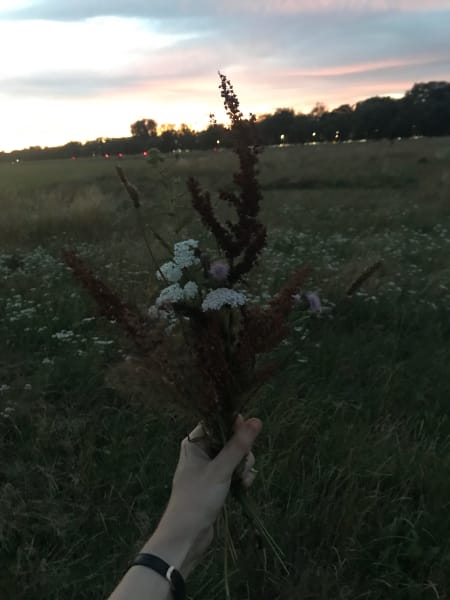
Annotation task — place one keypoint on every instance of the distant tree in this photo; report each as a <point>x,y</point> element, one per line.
<point>428,105</point>
<point>186,137</point>
<point>168,138</point>
<point>280,123</point>
<point>373,118</point>
<point>72,149</point>
<point>403,122</point>
<point>144,128</point>
<point>337,125</point>
<point>303,128</point>
<point>319,110</point>
<point>215,132</point>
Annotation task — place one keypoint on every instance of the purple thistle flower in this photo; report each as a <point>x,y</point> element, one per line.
<point>219,270</point>
<point>314,302</point>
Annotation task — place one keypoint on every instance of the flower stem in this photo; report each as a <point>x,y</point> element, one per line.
<point>225,558</point>
<point>250,511</point>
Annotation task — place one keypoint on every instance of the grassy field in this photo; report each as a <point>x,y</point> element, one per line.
<point>354,461</point>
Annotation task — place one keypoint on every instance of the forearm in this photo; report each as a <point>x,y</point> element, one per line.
<point>142,583</point>
<point>199,489</point>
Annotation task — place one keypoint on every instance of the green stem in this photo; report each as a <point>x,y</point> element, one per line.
<point>225,558</point>
<point>250,511</point>
<point>147,243</point>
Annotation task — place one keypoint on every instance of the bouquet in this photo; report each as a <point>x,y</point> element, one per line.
<point>202,338</point>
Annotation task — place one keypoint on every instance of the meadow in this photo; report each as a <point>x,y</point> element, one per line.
<point>354,460</point>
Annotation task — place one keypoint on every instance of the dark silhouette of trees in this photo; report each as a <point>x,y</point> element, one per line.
<point>214,136</point>
<point>373,118</point>
<point>144,128</point>
<point>272,127</point>
<point>423,111</point>
<point>319,110</point>
<point>303,130</point>
<point>187,137</point>
<point>336,126</point>
<point>428,106</point>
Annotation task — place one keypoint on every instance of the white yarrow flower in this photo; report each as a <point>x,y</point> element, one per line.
<point>185,244</point>
<point>170,295</point>
<point>190,290</point>
<point>184,253</point>
<point>170,271</point>
<point>215,299</point>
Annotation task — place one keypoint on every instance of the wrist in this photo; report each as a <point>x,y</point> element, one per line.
<point>172,545</point>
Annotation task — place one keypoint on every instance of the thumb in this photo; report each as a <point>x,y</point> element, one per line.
<point>236,448</point>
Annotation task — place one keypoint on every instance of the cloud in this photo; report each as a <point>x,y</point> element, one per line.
<point>193,9</point>
<point>160,57</point>
<point>368,69</point>
<point>123,56</point>
<point>73,85</point>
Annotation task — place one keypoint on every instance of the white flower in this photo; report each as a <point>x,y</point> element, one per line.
<point>169,295</point>
<point>190,290</point>
<point>170,271</point>
<point>63,335</point>
<point>184,245</point>
<point>215,299</point>
<point>184,253</point>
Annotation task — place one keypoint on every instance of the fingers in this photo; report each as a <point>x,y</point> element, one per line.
<point>249,461</point>
<point>195,443</point>
<point>197,432</point>
<point>248,479</point>
<point>236,448</point>
<point>245,465</point>
<point>248,473</point>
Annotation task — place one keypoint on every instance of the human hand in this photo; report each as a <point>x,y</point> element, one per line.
<point>200,487</point>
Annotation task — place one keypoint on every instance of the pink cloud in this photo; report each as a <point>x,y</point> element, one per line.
<point>380,65</point>
<point>302,6</point>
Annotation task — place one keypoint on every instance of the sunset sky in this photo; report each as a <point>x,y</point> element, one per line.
<point>82,69</point>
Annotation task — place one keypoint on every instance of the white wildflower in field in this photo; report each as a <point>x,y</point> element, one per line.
<point>216,299</point>
<point>103,342</point>
<point>47,361</point>
<point>169,271</point>
<point>184,253</point>
<point>63,335</point>
<point>190,290</point>
<point>28,387</point>
<point>170,295</point>
<point>4,388</point>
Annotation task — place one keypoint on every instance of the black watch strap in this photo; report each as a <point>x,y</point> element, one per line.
<point>173,576</point>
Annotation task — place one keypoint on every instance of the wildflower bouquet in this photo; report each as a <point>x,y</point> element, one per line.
<point>202,337</point>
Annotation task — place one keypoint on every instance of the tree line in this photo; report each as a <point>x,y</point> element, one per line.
<point>423,111</point>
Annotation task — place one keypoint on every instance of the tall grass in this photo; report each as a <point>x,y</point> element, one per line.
<point>354,460</point>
